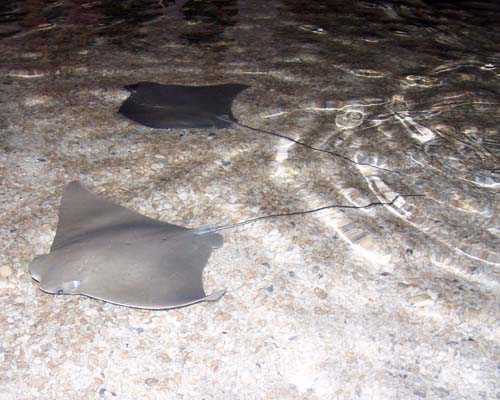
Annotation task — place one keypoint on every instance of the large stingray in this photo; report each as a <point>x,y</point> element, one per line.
<point>105,251</point>
<point>110,253</point>
<point>175,106</point>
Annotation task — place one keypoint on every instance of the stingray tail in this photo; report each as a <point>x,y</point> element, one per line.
<point>202,230</point>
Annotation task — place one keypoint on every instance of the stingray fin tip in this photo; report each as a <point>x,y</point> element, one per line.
<point>216,295</point>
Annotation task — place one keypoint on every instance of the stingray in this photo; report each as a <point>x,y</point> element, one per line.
<point>176,106</point>
<point>108,252</point>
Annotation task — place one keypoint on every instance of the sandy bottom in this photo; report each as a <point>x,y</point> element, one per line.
<point>390,302</point>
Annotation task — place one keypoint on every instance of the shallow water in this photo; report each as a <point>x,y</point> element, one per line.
<point>409,86</point>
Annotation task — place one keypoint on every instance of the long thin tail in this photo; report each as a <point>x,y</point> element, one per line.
<point>279,135</point>
<point>206,229</point>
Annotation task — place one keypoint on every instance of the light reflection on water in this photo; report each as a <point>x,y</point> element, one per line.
<point>402,86</point>
<point>121,23</point>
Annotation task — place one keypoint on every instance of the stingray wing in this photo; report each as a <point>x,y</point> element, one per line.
<point>82,212</point>
<point>159,272</point>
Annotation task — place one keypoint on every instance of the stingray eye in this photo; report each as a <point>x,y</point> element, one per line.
<point>60,291</point>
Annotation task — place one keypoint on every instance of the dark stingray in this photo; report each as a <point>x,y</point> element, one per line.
<point>175,106</point>
<point>105,251</point>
